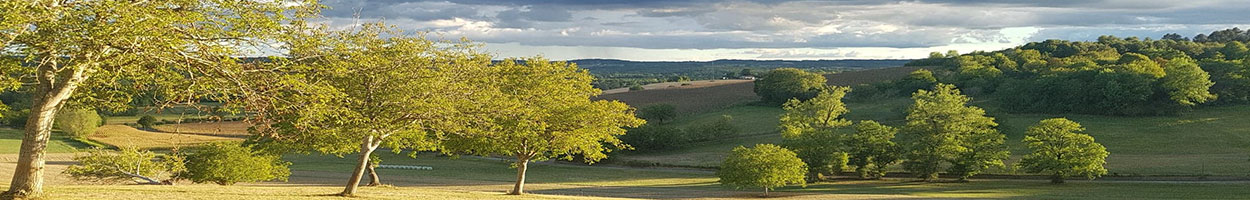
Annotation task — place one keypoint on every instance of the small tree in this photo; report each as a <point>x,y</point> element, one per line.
<point>127,164</point>
<point>871,149</point>
<point>658,113</point>
<point>1060,149</point>
<point>78,123</point>
<point>636,88</point>
<point>780,85</point>
<point>147,121</point>
<point>229,163</point>
<point>764,166</point>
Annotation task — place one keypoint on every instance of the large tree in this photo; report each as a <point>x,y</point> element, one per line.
<point>1060,149</point>
<point>92,52</point>
<point>361,89</point>
<point>542,110</point>
<point>810,129</point>
<point>942,131</point>
<point>783,84</point>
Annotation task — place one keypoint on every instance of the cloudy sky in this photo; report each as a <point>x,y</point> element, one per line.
<point>782,29</point>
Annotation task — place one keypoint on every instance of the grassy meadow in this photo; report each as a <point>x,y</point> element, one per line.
<point>318,176</point>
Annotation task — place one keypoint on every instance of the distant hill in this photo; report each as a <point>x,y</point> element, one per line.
<point>612,73</point>
<point>606,66</point>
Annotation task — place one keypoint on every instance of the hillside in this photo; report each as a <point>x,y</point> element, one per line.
<point>718,96</point>
<point>1209,141</point>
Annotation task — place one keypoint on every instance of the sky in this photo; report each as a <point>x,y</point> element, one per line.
<point>701,30</point>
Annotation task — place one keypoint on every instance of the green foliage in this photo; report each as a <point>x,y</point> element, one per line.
<point>679,79</point>
<point>918,80</point>
<point>78,123</point>
<point>230,163</point>
<point>147,121</point>
<point>16,118</point>
<point>718,129</point>
<point>1186,83</point>
<point>871,148</point>
<point>126,164</point>
<point>658,113</point>
<point>652,137</point>
<point>810,129</point>
<point>542,110</point>
<point>822,112</point>
<point>783,84</point>
<point>1061,149</point>
<point>942,131</point>
<point>764,166</point>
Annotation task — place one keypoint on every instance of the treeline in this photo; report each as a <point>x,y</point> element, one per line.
<point>611,74</point>
<point>1110,76</point>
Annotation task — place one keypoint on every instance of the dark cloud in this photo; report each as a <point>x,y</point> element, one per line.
<point>710,24</point>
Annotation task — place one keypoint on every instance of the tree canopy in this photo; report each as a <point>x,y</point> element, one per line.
<point>357,91</point>
<point>764,166</point>
<point>100,52</point>
<point>943,131</point>
<point>810,129</point>
<point>1061,149</point>
<point>782,84</point>
<point>542,110</point>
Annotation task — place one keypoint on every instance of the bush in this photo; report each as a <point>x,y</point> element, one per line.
<point>721,128</point>
<point>230,163</point>
<point>651,137</point>
<point>127,164</point>
<point>147,121</point>
<point>658,113</point>
<point>78,123</point>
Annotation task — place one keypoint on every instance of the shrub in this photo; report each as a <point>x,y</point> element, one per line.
<point>764,166</point>
<point>78,123</point>
<point>127,164</point>
<point>720,128</point>
<point>651,137</point>
<point>230,163</point>
<point>147,121</point>
<point>658,113</point>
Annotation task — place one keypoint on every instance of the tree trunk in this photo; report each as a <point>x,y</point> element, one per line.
<point>1056,179</point>
<point>50,95</point>
<point>373,175</point>
<point>765,192</point>
<point>366,147</point>
<point>521,163</point>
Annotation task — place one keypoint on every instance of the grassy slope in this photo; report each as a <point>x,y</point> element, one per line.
<point>1207,141</point>
<point>11,142</point>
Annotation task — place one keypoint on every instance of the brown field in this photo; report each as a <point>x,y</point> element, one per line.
<point>704,98</point>
<point>223,129</point>
<point>120,135</point>
<point>868,76</point>
<point>678,85</point>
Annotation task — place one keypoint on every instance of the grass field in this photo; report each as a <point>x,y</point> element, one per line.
<point>224,128</point>
<point>11,142</point>
<point>317,176</point>
<point>121,135</point>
